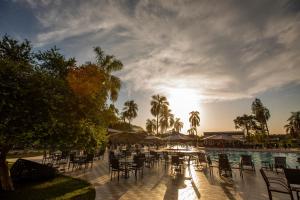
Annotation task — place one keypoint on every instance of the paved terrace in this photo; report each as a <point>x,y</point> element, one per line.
<point>159,183</point>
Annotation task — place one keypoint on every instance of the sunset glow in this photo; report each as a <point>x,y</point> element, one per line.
<point>182,102</point>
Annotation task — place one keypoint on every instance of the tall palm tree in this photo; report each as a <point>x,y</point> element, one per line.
<point>166,119</point>
<point>293,127</point>
<point>191,131</point>
<point>109,64</point>
<point>261,113</point>
<point>130,110</point>
<point>157,103</point>
<point>194,119</point>
<point>178,125</point>
<point>245,122</point>
<point>150,125</point>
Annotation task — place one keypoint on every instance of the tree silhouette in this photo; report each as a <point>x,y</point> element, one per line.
<point>262,114</point>
<point>157,103</point>
<point>130,110</point>
<point>151,125</point>
<point>178,125</point>
<point>245,122</point>
<point>194,119</point>
<point>166,119</point>
<point>109,64</point>
<point>293,126</point>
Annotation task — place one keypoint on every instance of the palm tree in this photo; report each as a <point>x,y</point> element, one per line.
<point>166,119</point>
<point>191,131</point>
<point>194,119</point>
<point>246,122</point>
<point>109,64</point>
<point>151,125</point>
<point>293,127</point>
<point>178,125</point>
<point>157,103</point>
<point>130,110</point>
<point>262,114</point>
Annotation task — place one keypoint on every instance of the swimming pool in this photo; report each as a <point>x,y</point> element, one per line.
<point>257,157</point>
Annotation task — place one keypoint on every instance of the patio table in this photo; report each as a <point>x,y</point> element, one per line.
<point>126,163</point>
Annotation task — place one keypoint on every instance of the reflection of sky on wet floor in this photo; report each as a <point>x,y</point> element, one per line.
<point>258,157</point>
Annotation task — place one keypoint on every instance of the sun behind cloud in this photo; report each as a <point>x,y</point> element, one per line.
<point>182,102</point>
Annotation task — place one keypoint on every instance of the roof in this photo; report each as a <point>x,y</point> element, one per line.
<point>223,133</point>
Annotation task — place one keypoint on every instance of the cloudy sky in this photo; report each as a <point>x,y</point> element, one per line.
<point>211,56</point>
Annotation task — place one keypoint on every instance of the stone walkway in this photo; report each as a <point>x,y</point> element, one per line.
<point>159,183</point>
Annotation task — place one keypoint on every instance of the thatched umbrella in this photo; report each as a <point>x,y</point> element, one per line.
<point>152,139</point>
<point>126,138</point>
<point>176,137</point>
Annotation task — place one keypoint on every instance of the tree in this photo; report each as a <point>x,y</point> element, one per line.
<point>151,125</point>
<point>262,114</point>
<point>130,110</point>
<point>47,101</point>
<point>178,125</point>
<point>245,122</point>
<point>157,103</point>
<point>194,120</point>
<point>166,119</point>
<point>192,131</point>
<point>109,64</point>
<point>293,126</point>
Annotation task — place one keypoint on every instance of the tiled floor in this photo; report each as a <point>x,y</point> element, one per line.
<point>160,183</point>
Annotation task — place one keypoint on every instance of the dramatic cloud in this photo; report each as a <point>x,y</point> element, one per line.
<point>219,49</point>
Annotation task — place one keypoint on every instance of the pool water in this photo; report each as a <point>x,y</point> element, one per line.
<point>257,157</point>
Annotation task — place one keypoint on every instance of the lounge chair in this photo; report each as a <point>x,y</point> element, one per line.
<point>224,165</point>
<point>293,179</point>
<point>201,160</point>
<point>276,185</point>
<point>279,163</point>
<point>246,163</point>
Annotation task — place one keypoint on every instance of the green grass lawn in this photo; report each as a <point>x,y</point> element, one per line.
<point>24,154</point>
<point>61,187</point>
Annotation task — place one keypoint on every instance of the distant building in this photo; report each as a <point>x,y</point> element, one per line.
<point>231,133</point>
<point>238,135</point>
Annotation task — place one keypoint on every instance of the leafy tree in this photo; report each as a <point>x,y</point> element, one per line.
<point>47,100</point>
<point>262,114</point>
<point>178,125</point>
<point>151,125</point>
<point>245,122</point>
<point>109,64</point>
<point>157,103</point>
<point>130,110</point>
<point>293,126</point>
<point>166,119</point>
<point>194,120</point>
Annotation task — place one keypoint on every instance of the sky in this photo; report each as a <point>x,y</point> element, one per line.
<point>212,56</point>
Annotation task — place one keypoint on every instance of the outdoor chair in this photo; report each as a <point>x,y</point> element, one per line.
<point>201,159</point>
<point>138,165</point>
<point>89,159</point>
<point>115,168</point>
<point>176,164</point>
<point>279,163</point>
<point>246,163</point>
<point>210,165</point>
<point>75,162</point>
<point>224,166</point>
<point>47,158</point>
<point>111,155</point>
<point>166,159</point>
<point>275,184</point>
<point>293,180</point>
